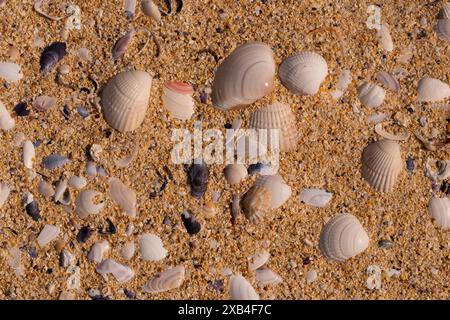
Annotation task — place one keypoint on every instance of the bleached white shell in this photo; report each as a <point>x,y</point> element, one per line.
<point>124,196</point>
<point>4,193</point>
<point>10,71</point>
<point>6,121</point>
<point>170,279</point>
<point>241,289</point>
<point>265,276</point>
<point>303,73</point>
<point>280,192</point>
<point>345,79</point>
<point>84,204</point>
<point>258,259</point>
<point>318,198</point>
<point>381,164</point>
<point>343,237</point>
<point>439,209</point>
<point>384,37</point>
<point>121,272</point>
<point>60,189</point>
<point>98,250</point>
<point>178,100</point>
<point>77,182</point>
<point>127,250</point>
<point>48,234</point>
<point>151,247</point>
<point>432,90</point>
<point>245,76</point>
<point>371,95</point>
<point>149,8</point>
<point>125,99</point>
<point>28,154</point>
<point>235,173</point>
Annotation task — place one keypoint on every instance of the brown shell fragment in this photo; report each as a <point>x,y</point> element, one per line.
<point>256,203</point>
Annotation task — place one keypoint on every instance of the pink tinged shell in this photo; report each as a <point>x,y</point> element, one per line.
<point>280,192</point>
<point>48,234</point>
<point>170,279</point>
<point>266,276</point>
<point>10,71</point>
<point>388,81</point>
<point>371,95</point>
<point>44,103</point>
<point>151,247</point>
<point>98,250</point>
<point>123,195</point>
<point>432,90</point>
<point>178,100</point>
<point>84,203</point>
<point>129,7</point>
<point>122,273</point>
<point>125,100</point>
<point>122,44</point>
<point>342,238</point>
<point>127,251</point>
<point>245,76</point>
<point>46,189</point>
<point>439,209</point>
<point>241,289</point>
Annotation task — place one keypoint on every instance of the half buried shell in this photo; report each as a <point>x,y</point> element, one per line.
<point>178,99</point>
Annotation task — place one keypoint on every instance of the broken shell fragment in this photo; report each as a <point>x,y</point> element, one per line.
<point>4,193</point>
<point>77,182</point>
<point>51,55</point>
<point>122,44</point>
<point>44,103</point>
<point>84,203</point>
<point>371,95</point>
<point>54,161</point>
<point>6,121</point>
<point>385,39</point>
<point>48,234</point>
<point>280,192</point>
<point>442,28</point>
<point>388,81</point>
<point>123,195</point>
<point>28,154</point>
<point>62,194</point>
<point>151,247</point>
<point>170,279</point>
<point>266,276</point>
<point>178,100</point>
<point>344,81</point>
<point>121,272</point>
<point>439,209</point>
<point>46,189</point>
<point>318,198</point>
<point>190,223</point>
<point>241,289</point>
<point>342,238</point>
<point>98,250</point>
<point>37,8</point>
<point>235,173</point>
<point>442,172</point>
<point>127,250</point>
<point>256,203</point>
<point>149,8</point>
<point>10,71</point>
<point>258,259</point>
<point>382,132</point>
<point>432,90</point>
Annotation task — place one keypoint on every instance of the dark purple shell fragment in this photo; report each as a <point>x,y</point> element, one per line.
<point>190,223</point>
<point>198,179</point>
<point>51,55</point>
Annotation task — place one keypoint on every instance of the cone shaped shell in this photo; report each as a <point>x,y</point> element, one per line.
<point>241,289</point>
<point>381,164</point>
<point>170,279</point>
<point>432,90</point>
<point>178,99</point>
<point>256,203</point>
<point>245,76</point>
<point>303,73</point>
<point>125,99</point>
<point>280,192</point>
<point>439,209</point>
<point>342,238</point>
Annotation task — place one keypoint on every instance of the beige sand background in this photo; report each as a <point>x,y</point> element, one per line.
<point>332,138</point>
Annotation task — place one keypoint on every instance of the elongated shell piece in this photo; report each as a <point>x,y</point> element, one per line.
<point>98,250</point>
<point>124,196</point>
<point>388,80</point>
<point>28,154</point>
<point>303,73</point>
<point>121,272</point>
<point>371,95</point>
<point>381,164</point>
<point>280,192</point>
<point>318,198</point>
<point>241,289</point>
<point>125,99</point>
<point>265,276</point>
<point>235,173</point>
<point>61,196</point>
<point>151,247</point>
<point>46,189</point>
<point>77,182</point>
<point>10,71</point>
<point>439,209</point>
<point>432,90</point>
<point>149,8</point>
<point>4,193</point>
<point>44,103</point>
<point>170,279</point>
<point>178,100</point>
<point>345,78</point>
<point>245,76</point>
<point>280,117</point>
<point>6,122</point>
<point>48,234</point>
<point>84,203</point>
<point>129,8</point>
<point>121,45</point>
<point>343,237</point>
<point>256,203</point>
<point>127,250</point>
<point>385,39</point>
<point>258,259</point>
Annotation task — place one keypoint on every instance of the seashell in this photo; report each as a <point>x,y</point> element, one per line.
<point>318,198</point>
<point>6,122</point>
<point>122,44</point>
<point>258,259</point>
<point>46,189</point>
<point>311,276</point>
<point>190,223</point>
<point>32,210</point>
<point>15,261</point>
<point>439,209</point>
<point>344,81</point>
<point>371,95</point>
<point>60,192</point>
<point>51,55</point>
<point>98,250</point>
<point>54,161</point>
<point>235,173</point>
<point>209,209</point>
<point>342,238</point>
<point>124,196</point>
<point>432,90</point>
<point>18,139</point>
<point>149,8</point>
<point>130,8</point>
<point>277,117</point>
<point>380,130</point>
<point>48,234</point>
<point>77,182</point>
<point>124,162</point>
<point>384,37</point>
<point>235,207</point>
<point>245,76</point>
<point>84,204</point>
<point>170,279</point>
<point>37,8</point>
<point>151,247</point>
<point>303,73</point>
<point>127,250</point>
<point>265,276</point>
<point>442,29</point>
<point>178,100</point>
<point>4,193</point>
<point>91,169</point>
<point>44,103</point>
<point>389,81</point>
<point>280,192</point>
<point>241,289</point>
<point>125,99</point>
<point>84,54</point>
<point>198,179</point>
<point>10,71</point>
<point>256,203</point>
<point>28,154</point>
<point>381,164</point>
<point>121,272</point>
<point>442,172</point>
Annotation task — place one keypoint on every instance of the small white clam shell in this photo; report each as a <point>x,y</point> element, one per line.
<point>178,100</point>
<point>127,251</point>
<point>46,189</point>
<point>124,196</point>
<point>241,289</point>
<point>343,237</point>
<point>170,279</point>
<point>149,8</point>
<point>91,169</point>
<point>28,154</point>
<point>371,95</point>
<point>10,71</point>
<point>98,250</point>
<point>318,198</point>
<point>84,204</point>
<point>6,121</point>
<point>235,173</point>
<point>432,90</point>
<point>121,272</point>
<point>258,259</point>
<point>303,73</point>
<point>151,247</point>
<point>4,193</point>
<point>60,189</point>
<point>384,37</point>
<point>265,276</point>
<point>439,209</point>
<point>77,182</point>
<point>48,234</point>
<point>280,192</point>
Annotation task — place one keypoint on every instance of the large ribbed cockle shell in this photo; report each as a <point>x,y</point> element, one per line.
<point>439,209</point>
<point>342,238</point>
<point>303,73</point>
<point>241,289</point>
<point>125,99</point>
<point>170,279</point>
<point>256,203</point>
<point>381,164</point>
<point>245,76</point>
<point>277,116</point>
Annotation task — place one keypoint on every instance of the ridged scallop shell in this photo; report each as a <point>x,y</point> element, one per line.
<point>98,250</point>
<point>265,276</point>
<point>381,164</point>
<point>371,95</point>
<point>303,73</point>
<point>245,76</point>
<point>170,279</point>
<point>235,173</point>
<point>442,27</point>
<point>4,193</point>
<point>280,192</point>
<point>343,237</point>
<point>439,209</point>
<point>258,259</point>
<point>84,205</point>
<point>48,234</point>
<point>6,121</point>
<point>318,198</point>
<point>256,203</point>
<point>124,196</point>
<point>121,272</point>
<point>151,247</point>
<point>125,99</point>
<point>432,90</point>
<point>277,116</point>
<point>241,289</point>
<point>178,100</point>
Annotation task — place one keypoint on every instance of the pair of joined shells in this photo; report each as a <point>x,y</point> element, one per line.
<point>170,279</point>
<point>442,27</point>
<point>178,99</point>
<point>432,90</point>
<point>371,95</point>
<point>439,209</point>
<point>343,237</point>
<point>125,99</point>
